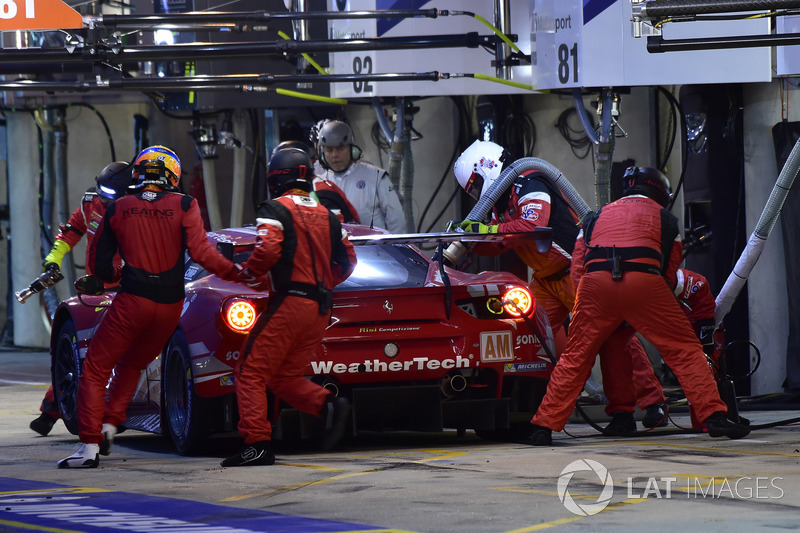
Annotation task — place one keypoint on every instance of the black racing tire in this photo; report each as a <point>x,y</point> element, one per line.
<point>525,395</point>
<point>66,367</point>
<point>516,432</point>
<point>183,416</point>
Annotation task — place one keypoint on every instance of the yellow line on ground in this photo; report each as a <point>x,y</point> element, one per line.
<point>445,455</point>
<point>560,521</point>
<point>31,527</point>
<point>295,487</point>
<point>736,476</point>
<point>313,467</point>
<point>543,492</point>
<point>686,447</point>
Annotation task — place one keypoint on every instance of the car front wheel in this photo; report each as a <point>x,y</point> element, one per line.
<point>182,410</point>
<point>66,369</point>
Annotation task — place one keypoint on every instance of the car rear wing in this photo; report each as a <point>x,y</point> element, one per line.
<point>542,236</point>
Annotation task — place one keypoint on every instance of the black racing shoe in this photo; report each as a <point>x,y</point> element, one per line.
<point>335,415</point>
<point>258,453</point>
<point>541,436</point>
<point>622,425</point>
<point>720,425</point>
<point>109,431</point>
<point>656,416</point>
<point>43,424</point>
<point>86,456</point>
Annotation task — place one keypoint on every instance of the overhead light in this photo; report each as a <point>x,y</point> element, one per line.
<point>164,37</point>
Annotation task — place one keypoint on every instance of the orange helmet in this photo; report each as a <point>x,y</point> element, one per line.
<point>157,165</point>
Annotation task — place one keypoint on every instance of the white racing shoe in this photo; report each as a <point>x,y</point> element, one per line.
<point>109,430</point>
<point>86,456</point>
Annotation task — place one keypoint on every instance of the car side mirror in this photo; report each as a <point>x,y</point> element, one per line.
<point>226,249</point>
<point>91,285</point>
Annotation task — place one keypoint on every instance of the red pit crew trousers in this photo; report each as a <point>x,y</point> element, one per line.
<point>276,353</point>
<point>131,334</point>
<point>647,304</point>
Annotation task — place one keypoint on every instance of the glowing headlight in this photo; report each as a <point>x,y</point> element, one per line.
<point>522,301</point>
<point>240,315</point>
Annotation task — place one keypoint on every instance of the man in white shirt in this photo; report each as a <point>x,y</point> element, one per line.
<point>366,186</point>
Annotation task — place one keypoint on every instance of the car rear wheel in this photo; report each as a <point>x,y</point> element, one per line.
<point>517,431</point>
<point>525,394</point>
<point>66,369</point>
<point>182,411</point>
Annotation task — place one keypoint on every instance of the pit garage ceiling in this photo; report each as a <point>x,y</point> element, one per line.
<point>113,54</point>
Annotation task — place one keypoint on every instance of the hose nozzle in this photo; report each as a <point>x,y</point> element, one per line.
<point>46,279</point>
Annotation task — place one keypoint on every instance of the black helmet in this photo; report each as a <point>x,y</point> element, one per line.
<point>289,168</point>
<point>648,181</point>
<point>300,145</point>
<point>114,179</point>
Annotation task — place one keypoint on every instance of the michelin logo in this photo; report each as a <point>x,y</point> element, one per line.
<point>524,367</point>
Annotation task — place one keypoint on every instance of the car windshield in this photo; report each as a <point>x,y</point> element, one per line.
<point>379,266</point>
<point>386,266</point>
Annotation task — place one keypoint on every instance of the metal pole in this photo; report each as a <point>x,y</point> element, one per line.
<point>657,44</point>
<point>670,8</point>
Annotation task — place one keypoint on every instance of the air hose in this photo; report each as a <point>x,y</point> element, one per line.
<point>483,207</point>
<point>758,239</point>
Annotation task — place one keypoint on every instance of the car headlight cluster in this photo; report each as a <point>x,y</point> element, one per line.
<point>512,302</point>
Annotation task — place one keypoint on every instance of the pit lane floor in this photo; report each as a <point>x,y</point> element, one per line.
<point>397,482</point>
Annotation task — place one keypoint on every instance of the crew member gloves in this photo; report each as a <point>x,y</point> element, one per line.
<point>470,226</point>
<point>56,255</point>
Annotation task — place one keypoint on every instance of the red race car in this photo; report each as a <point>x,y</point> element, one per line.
<point>414,345</point>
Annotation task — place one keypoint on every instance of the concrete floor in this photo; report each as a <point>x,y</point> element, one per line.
<point>413,482</point>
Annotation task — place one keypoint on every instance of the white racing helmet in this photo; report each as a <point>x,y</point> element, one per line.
<point>479,166</point>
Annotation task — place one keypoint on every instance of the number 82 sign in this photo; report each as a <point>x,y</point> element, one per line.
<point>38,15</point>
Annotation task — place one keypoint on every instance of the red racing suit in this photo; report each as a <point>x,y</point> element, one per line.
<point>622,278</point>
<point>698,303</point>
<point>306,252</point>
<point>331,196</point>
<point>84,221</point>
<point>535,201</point>
<point>152,230</point>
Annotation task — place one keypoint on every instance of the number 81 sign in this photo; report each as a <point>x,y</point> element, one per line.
<point>38,15</point>
<point>556,43</point>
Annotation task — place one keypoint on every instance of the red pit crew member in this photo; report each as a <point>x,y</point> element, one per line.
<point>112,183</point>
<point>151,228</point>
<point>326,192</point>
<point>626,260</point>
<point>306,252</point>
<point>532,201</point>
